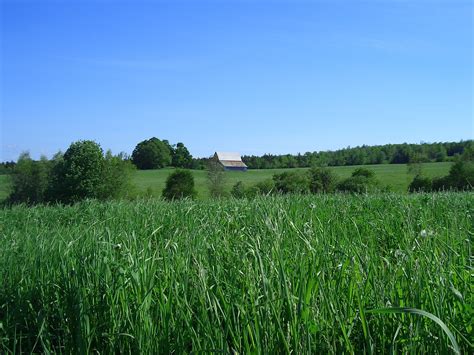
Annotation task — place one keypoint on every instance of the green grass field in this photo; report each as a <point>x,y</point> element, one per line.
<point>281,274</point>
<point>395,176</point>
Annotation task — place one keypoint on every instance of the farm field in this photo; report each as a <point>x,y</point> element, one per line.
<point>279,274</point>
<point>389,174</point>
<point>152,182</point>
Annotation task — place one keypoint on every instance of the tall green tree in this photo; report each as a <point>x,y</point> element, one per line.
<point>151,154</point>
<point>80,173</point>
<point>181,157</point>
<point>30,180</point>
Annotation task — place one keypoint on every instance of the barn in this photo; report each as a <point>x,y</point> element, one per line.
<point>230,161</point>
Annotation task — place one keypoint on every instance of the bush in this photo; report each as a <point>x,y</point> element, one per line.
<point>238,190</point>
<point>461,175</point>
<point>216,178</point>
<point>321,180</point>
<point>179,184</point>
<point>291,182</point>
<point>421,184</point>
<point>361,181</point>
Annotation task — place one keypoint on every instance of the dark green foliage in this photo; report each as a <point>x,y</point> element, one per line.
<point>291,182</point>
<point>238,190</point>
<point>262,188</point>
<point>180,184</point>
<point>81,173</point>
<point>30,180</point>
<point>321,180</point>
<point>361,181</point>
<point>7,167</point>
<point>181,157</point>
<point>461,174</point>
<point>152,154</point>
<point>364,155</point>
<point>117,178</point>
<point>421,184</point>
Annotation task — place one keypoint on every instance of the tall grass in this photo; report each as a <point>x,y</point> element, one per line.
<point>271,275</point>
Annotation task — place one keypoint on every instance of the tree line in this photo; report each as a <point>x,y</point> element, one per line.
<point>154,153</point>
<point>363,155</point>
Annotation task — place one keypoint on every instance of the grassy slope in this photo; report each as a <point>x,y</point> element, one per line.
<point>237,276</point>
<point>389,174</point>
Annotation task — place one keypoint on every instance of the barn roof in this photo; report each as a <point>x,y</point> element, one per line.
<point>232,156</point>
<point>230,160</point>
<point>232,163</point>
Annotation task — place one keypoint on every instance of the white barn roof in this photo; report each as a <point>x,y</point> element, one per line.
<point>232,156</point>
<point>230,160</point>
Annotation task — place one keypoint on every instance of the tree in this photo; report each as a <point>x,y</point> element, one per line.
<point>179,184</point>
<point>181,157</point>
<point>29,180</point>
<point>321,180</point>
<point>117,178</point>
<point>151,154</point>
<point>216,178</point>
<point>80,173</point>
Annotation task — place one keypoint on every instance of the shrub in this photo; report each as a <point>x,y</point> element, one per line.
<point>361,181</point>
<point>461,175</point>
<point>321,180</point>
<point>216,178</point>
<point>179,184</point>
<point>238,190</point>
<point>291,182</point>
<point>421,184</point>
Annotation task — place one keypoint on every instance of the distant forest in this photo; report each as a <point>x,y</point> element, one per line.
<point>364,155</point>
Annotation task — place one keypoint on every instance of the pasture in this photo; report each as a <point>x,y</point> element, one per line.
<point>280,274</point>
<point>152,182</point>
<point>393,175</point>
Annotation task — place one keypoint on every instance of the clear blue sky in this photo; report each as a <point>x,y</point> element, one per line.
<point>247,76</point>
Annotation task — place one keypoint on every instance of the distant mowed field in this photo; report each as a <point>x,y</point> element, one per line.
<point>152,182</point>
<point>393,175</point>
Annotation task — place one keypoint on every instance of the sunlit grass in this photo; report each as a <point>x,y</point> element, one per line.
<point>281,274</point>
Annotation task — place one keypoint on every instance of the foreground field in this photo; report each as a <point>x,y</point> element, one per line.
<point>271,275</point>
<point>395,176</point>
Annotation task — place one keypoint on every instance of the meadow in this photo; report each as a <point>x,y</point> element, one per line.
<point>393,175</point>
<point>152,182</point>
<point>301,274</point>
